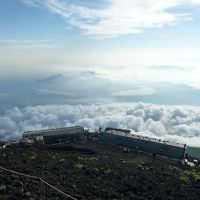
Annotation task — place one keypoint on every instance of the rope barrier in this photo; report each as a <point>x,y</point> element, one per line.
<point>38,178</point>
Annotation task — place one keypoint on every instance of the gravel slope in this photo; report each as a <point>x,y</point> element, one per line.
<point>94,171</point>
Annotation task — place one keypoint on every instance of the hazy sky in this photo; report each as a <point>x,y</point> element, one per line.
<point>110,32</point>
<point>136,47</point>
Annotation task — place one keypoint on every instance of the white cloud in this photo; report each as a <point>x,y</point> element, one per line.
<point>27,44</point>
<point>176,123</point>
<point>117,17</point>
<point>137,91</point>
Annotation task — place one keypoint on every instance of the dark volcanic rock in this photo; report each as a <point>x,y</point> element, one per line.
<point>107,173</point>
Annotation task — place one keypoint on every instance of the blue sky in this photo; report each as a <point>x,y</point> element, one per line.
<point>152,45</point>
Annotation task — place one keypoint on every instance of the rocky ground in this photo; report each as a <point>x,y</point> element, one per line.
<point>94,171</point>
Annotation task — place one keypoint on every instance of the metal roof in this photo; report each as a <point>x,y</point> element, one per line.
<point>116,132</point>
<point>53,129</point>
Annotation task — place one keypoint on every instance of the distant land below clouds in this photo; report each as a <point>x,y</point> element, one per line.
<point>91,87</point>
<point>175,123</point>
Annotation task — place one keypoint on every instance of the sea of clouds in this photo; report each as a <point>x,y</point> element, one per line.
<point>176,123</point>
